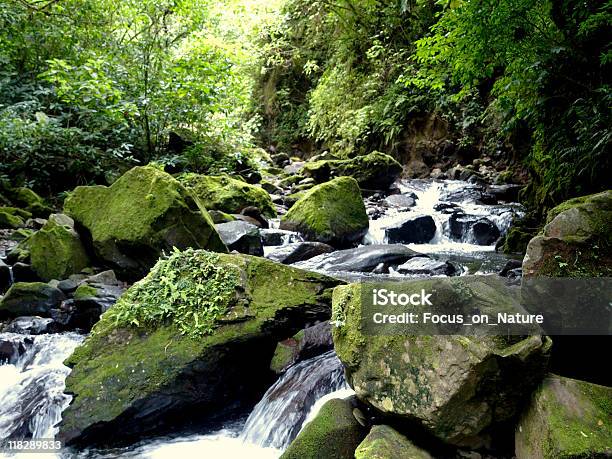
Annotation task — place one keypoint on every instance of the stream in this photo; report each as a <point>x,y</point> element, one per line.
<point>32,379</point>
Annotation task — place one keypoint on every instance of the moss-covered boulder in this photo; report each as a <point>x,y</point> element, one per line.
<point>56,250</point>
<point>334,433</point>
<point>332,213</point>
<point>566,419</point>
<point>227,194</point>
<point>576,241</point>
<point>30,299</point>
<point>190,342</point>
<point>375,171</point>
<point>9,220</point>
<point>138,217</point>
<point>455,386</point>
<point>28,200</point>
<point>384,442</point>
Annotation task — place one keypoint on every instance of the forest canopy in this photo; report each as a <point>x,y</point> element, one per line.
<point>89,88</point>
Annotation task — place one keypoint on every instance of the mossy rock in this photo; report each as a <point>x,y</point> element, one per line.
<point>455,386</point>
<point>85,291</point>
<point>132,380</point>
<point>16,211</point>
<point>576,241</point>
<point>21,234</point>
<point>56,250</point>
<point>334,433</point>
<point>30,201</point>
<point>141,215</point>
<point>333,213</point>
<point>228,194</point>
<point>30,299</point>
<point>375,171</point>
<point>10,221</point>
<point>384,442</point>
<point>566,419</point>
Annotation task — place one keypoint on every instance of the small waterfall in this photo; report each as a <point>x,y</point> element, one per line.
<point>31,387</point>
<point>278,417</point>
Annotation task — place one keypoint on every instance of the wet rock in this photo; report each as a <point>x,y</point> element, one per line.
<point>298,251</point>
<point>566,419</point>
<point>154,378</point>
<point>468,194</point>
<point>144,213</point>
<point>280,159</point>
<point>447,207</point>
<point>364,259</point>
<point>6,277</point>
<point>275,237</point>
<point>220,217</point>
<point>254,213</point>
<point>485,232</point>
<point>427,266</point>
<point>375,171</point>
<point>30,299</point>
<point>332,213</point>
<point>31,325</point>
<point>303,345</point>
<point>242,237</point>
<point>473,228</point>
<point>455,386</point>
<point>12,347</point>
<point>384,442</point>
<point>333,434</point>
<point>504,193</point>
<point>401,200</point>
<point>415,230</point>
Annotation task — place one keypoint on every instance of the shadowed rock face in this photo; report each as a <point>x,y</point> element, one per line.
<point>129,382</point>
<point>416,230</point>
<point>455,386</point>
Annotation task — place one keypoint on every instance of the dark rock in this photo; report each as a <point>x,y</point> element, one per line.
<point>242,237</point>
<point>255,213</point>
<point>422,265</point>
<point>415,230</point>
<point>177,143</point>
<point>298,251</point>
<point>364,259</point>
<point>467,194</point>
<point>6,278</point>
<point>303,345</point>
<point>30,299</point>
<point>504,193</point>
<point>473,228</point>
<point>485,232</point>
<point>31,325</point>
<point>35,223</point>
<point>252,177</point>
<point>274,237</point>
<point>218,216</point>
<point>12,347</point>
<point>447,207</point>
<point>280,159</point>
<point>509,266</point>
<point>23,272</point>
<point>401,200</point>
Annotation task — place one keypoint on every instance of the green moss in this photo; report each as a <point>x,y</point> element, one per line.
<point>31,201</point>
<point>383,442</point>
<point>21,234</point>
<point>15,211</point>
<point>146,211</point>
<point>373,171</point>
<point>10,221</point>
<point>85,291</point>
<point>333,434</point>
<point>29,298</point>
<point>228,194</point>
<point>56,252</point>
<point>566,419</point>
<point>332,212</point>
<point>283,356</point>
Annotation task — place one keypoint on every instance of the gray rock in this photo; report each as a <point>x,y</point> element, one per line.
<point>415,230</point>
<point>242,237</point>
<point>30,299</point>
<point>274,237</point>
<point>299,251</point>
<point>427,266</point>
<point>31,325</point>
<point>401,200</point>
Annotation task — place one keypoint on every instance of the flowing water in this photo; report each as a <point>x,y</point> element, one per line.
<point>32,382</point>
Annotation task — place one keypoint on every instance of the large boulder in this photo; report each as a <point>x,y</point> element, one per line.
<point>141,215</point>
<point>384,442</point>
<point>576,241</point>
<point>566,419</point>
<point>414,230</point>
<point>332,213</point>
<point>333,434</point>
<point>227,194</point>
<point>455,386</point>
<point>30,299</point>
<point>192,341</point>
<point>375,171</point>
<point>56,250</point>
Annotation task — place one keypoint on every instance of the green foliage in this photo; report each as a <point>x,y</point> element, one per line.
<point>188,289</point>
